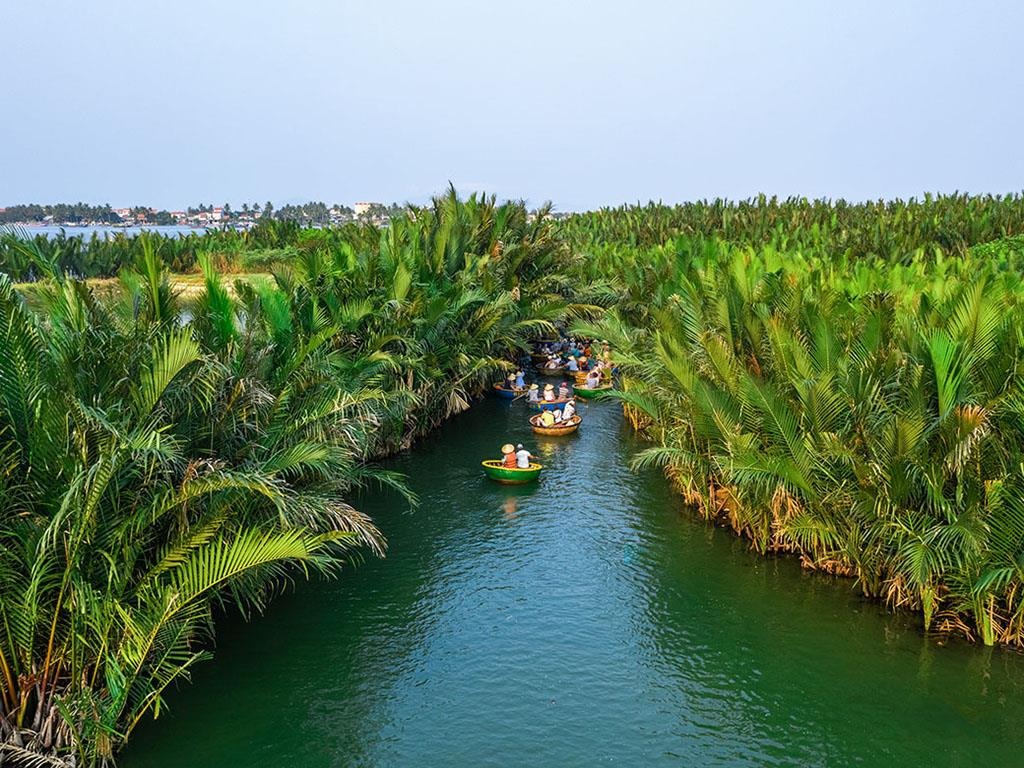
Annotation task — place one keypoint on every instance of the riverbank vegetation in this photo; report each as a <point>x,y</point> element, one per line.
<point>861,411</point>
<point>160,465</point>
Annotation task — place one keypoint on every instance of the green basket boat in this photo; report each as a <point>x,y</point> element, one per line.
<point>496,470</point>
<point>587,394</point>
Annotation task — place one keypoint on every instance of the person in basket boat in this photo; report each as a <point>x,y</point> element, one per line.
<point>510,381</point>
<point>547,418</point>
<point>594,379</point>
<point>553,363</point>
<point>523,457</point>
<point>584,363</point>
<point>549,393</point>
<point>508,456</point>
<point>573,365</point>
<point>569,411</point>
<point>563,391</point>
<point>533,395</point>
<point>520,380</point>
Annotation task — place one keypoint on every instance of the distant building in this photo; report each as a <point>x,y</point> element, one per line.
<point>361,208</point>
<point>218,214</point>
<point>124,214</point>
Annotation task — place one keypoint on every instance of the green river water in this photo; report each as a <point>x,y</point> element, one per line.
<point>585,621</point>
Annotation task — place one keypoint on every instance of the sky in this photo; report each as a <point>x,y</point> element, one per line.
<point>582,103</point>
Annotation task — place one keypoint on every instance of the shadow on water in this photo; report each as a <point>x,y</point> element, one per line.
<point>580,621</point>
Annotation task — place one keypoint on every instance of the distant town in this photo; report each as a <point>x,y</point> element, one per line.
<point>201,216</point>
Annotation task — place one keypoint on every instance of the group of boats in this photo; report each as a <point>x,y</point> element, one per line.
<point>496,469</point>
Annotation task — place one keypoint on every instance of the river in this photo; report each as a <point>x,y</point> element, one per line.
<point>588,620</point>
<point>87,232</point>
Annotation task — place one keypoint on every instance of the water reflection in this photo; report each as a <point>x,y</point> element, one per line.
<point>510,508</point>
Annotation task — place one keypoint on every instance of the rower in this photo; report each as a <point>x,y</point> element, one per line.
<point>569,411</point>
<point>523,457</point>
<point>533,395</point>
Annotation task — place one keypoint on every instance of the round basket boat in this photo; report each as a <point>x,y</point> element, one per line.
<point>550,405</point>
<point>587,394</point>
<point>502,391</point>
<point>545,371</point>
<point>556,430</point>
<point>496,470</point>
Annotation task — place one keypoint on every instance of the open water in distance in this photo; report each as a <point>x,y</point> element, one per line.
<point>88,232</point>
<point>585,621</point>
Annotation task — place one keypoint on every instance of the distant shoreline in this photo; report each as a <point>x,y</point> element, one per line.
<point>87,230</point>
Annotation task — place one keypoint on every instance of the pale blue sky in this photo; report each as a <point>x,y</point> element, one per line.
<point>584,103</point>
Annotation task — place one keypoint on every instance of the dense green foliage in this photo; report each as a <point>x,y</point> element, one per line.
<point>152,468</point>
<point>886,229</point>
<point>864,413</point>
<point>28,257</point>
<point>63,212</point>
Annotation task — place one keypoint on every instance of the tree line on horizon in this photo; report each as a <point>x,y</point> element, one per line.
<point>312,213</point>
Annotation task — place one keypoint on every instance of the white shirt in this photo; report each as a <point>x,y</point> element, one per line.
<point>569,411</point>
<point>523,459</point>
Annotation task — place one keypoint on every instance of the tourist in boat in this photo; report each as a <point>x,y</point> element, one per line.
<point>510,381</point>
<point>520,380</point>
<point>558,415</point>
<point>549,393</point>
<point>508,456</point>
<point>594,379</point>
<point>547,419</point>
<point>553,363</point>
<point>533,395</point>
<point>563,391</point>
<point>569,411</point>
<point>584,363</point>
<point>573,365</point>
<point>523,457</point>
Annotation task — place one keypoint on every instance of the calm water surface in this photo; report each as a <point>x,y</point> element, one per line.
<point>584,621</point>
<point>101,231</point>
